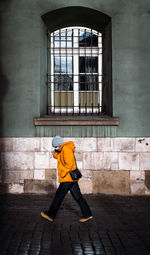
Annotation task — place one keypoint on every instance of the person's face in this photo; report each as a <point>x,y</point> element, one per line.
<point>57,148</point>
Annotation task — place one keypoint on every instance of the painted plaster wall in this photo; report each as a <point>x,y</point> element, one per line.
<point>22,63</point>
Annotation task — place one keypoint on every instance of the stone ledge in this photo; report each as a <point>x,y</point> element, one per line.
<point>76,120</point>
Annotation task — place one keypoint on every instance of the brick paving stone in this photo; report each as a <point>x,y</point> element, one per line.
<point>121,226</point>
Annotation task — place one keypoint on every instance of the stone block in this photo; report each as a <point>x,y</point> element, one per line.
<point>138,188</point>
<point>143,144</point>
<point>105,144</point>
<point>138,176</point>
<point>145,161</point>
<point>51,175</point>
<point>115,166</point>
<point>79,164</point>
<point>111,160</point>
<point>93,160</point>
<point>15,176</point>
<point>23,160</point>
<point>84,144</point>
<point>39,174</point>
<point>85,186</point>
<point>17,160</point>
<point>147,179</point>
<point>41,160</point>
<point>46,144</point>
<point>79,156</point>
<point>111,182</point>
<point>128,161</point>
<point>39,186</point>
<point>16,188</point>
<point>137,182</point>
<point>147,191</point>
<point>124,144</point>
<point>26,144</point>
<point>4,188</point>
<point>87,174</point>
<point>52,161</point>
<point>7,160</point>
<point>101,160</point>
<point>6,144</point>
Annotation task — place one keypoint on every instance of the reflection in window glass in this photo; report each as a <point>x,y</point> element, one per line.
<point>57,64</point>
<point>56,44</point>
<point>69,44</point>
<point>63,44</point>
<point>69,65</point>
<point>63,34</point>
<point>88,64</point>
<point>87,39</point>
<point>69,33</point>
<point>63,82</point>
<point>88,82</point>
<point>63,39</point>
<point>63,64</point>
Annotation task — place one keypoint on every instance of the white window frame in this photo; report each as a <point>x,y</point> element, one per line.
<point>76,51</point>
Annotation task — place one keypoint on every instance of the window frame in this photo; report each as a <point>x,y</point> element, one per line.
<point>76,51</point>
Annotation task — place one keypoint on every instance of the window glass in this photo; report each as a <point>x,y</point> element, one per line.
<point>63,82</point>
<point>88,82</point>
<point>63,39</point>
<point>87,39</point>
<point>63,64</point>
<point>57,64</point>
<point>88,64</point>
<point>69,65</point>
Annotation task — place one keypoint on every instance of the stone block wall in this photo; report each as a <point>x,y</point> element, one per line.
<point>108,165</point>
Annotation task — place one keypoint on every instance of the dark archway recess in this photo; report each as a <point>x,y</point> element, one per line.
<point>91,18</point>
<point>76,16</point>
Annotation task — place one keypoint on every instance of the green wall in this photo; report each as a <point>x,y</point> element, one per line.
<point>23,66</point>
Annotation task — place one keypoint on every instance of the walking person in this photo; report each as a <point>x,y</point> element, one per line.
<point>64,153</point>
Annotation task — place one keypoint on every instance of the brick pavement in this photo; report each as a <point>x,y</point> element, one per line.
<point>121,226</point>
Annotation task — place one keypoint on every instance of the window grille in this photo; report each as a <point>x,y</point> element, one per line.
<point>75,71</point>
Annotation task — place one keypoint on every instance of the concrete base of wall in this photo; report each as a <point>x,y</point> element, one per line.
<point>108,165</point>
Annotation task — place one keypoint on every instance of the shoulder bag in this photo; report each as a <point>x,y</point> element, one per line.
<point>75,174</point>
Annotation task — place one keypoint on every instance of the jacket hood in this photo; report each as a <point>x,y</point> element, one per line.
<point>70,145</point>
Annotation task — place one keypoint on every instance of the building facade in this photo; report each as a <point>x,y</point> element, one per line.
<point>79,70</point>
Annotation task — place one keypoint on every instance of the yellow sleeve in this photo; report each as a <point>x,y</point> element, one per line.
<point>68,160</point>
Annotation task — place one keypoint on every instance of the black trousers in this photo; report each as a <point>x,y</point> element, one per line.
<point>62,190</point>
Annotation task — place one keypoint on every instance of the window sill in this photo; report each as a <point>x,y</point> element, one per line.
<point>73,120</point>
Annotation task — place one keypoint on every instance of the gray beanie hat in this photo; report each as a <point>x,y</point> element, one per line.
<point>57,141</point>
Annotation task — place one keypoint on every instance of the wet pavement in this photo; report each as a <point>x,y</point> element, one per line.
<point>121,226</point>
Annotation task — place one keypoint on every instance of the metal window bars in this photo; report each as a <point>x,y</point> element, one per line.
<point>75,71</point>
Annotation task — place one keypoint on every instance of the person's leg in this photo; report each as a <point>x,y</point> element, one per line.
<point>76,193</point>
<point>62,190</point>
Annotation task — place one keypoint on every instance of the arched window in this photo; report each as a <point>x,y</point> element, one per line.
<point>79,69</point>
<point>75,70</point>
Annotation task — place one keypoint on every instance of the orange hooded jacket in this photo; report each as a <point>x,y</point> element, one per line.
<point>65,161</point>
